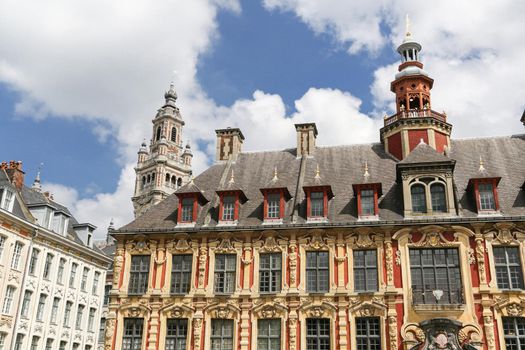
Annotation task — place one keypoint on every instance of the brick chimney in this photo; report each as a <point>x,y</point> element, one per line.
<point>306,135</point>
<point>14,172</point>
<point>229,143</point>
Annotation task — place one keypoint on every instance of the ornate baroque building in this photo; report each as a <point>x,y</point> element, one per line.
<point>166,165</point>
<point>51,276</point>
<point>416,242</point>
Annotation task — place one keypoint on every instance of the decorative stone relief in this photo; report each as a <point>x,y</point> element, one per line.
<point>270,246</point>
<point>293,264</point>
<point>197,331</point>
<point>13,277</point>
<point>141,245</point>
<point>432,239</point>
<point>506,233</point>
<point>293,333</point>
<point>489,331</point>
<point>203,256</point>
<point>247,261</point>
<point>316,242</point>
<point>117,267</point>
<point>480,257</point>
<point>225,246</point>
<point>392,331</point>
<point>6,320</point>
<point>398,258</point>
<point>389,257</point>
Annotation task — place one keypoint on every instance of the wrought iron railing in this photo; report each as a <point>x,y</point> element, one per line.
<point>415,113</point>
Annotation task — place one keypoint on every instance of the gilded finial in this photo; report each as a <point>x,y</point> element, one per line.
<point>191,179</point>
<point>274,174</point>
<point>232,178</point>
<point>408,34</point>
<point>317,172</point>
<point>366,174</point>
<point>481,167</point>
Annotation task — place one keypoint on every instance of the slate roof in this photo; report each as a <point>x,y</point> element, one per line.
<point>424,153</point>
<point>18,208</point>
<point>340,167</point>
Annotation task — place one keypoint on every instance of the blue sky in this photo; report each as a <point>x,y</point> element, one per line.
<point>79,88</point>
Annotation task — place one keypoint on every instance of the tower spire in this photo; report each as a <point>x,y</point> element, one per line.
<point>408,34</point>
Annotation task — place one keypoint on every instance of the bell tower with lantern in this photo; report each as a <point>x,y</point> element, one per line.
<point>165,165</point>
<point>414,120</point>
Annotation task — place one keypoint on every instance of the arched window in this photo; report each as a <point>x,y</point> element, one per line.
<point>419,200</point>
<point>439,201</point>
<point>143,181</point>
<point>148,178</point>
<point>174,134</point>
<point>158,133</point>
<point>167,179</point>
<point>179,182</point>
<point>153,177</point>
<point>173,180</point>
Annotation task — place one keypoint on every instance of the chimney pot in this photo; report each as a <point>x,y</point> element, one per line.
<point>229,143</point>
<point>15,173</point>
<point>306,136</point>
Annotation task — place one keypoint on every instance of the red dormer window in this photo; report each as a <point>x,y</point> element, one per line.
<point>367,199</point>
<point>486,194</point>
<point>317,201</point>
<point>187,208</point>
<point>229,206</point>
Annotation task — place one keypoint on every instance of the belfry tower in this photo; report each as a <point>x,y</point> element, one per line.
<point>165,165</point>
<point>414,119</point>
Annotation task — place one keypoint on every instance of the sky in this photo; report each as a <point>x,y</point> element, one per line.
<point>80,84</point>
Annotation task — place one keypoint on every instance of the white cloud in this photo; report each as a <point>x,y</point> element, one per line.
<point>472,52</point>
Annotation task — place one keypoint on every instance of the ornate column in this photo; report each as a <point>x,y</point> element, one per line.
<point>389,262</point>
<point>202,262</point>
<point>343,329</point>
<point>341,258</point>
<point>245,325</point>
<point>247,259</point>
<point>293,252</point>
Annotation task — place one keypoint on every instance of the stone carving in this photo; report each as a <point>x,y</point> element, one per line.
<point>293,333</point>
<point>197,331</point>
<point>52,330</point>
<point>432,239</point>
<point>13,277</point>
<point>514,309</point>
<point>23,326</point>
<point>119,261</point>
<point>470,256</point>
<point>6,320</point>
<point>389,257</point>
<point>480,256</point>
<point>293,264</point>
<point>364,240</point>
<point>489,331</point>
<point>317,242</point>
<point>247,261</point>
<point>177,312</point>
<point>182,245</point>
<point>203,256</point>
<point>140,245</point>
<point>270,246</point>
<point>38,328</point>
<point>223,312</point>
<point>398,258</point>
<point>225,246</point>
<point>316,311</point>
<point>392,331</point>
<point>110,329</point>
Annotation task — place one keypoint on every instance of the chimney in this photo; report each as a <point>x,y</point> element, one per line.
<point>229,143</point>
<point>306,135</point>
<point>14,172</point>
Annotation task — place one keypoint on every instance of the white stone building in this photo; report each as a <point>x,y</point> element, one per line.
<point>52,284</point>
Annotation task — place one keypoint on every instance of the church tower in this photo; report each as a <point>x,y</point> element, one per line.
<point>414,119</point>
<point>165,165</point>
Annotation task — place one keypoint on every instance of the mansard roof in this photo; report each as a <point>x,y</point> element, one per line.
<point>340,167</point>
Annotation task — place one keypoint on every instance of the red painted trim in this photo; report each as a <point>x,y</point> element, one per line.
<point>360,187</point>
<point>265,205</point>
<point>158,331</point>
<point>154,274</point>
<point>309,192</point>
<point>477,197</point>
<point>236,208</point>
<point>243,266</point>
<point>282,201</point>
<point>148,328</point>
<point>308,203</point>
<point>221,204</point>
<point>163,275</point>
<point>114,335</point>
<point>121,277</point>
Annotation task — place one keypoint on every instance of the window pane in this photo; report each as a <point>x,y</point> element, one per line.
<point>419,201</point>
<point>139,274</point>
<point>181,274</point>
<point>317,271</point>
<point>439,203</point>
<point>270,273</point>
<point>368,334</point>
<point>486,197</point>
<point>317,204</point>
<point>367,202</point>
<point>365,270</point>
<point>274,204</point>
<point>508,267</point>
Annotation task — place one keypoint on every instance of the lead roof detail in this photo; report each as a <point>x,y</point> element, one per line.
<point>341,167</point>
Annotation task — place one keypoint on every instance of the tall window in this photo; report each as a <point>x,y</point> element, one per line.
<point>368,333</point>
<point>62,345</point>
<point>34,261</point>
<point>221,334</point>
<point>317,272</point>
<point>157,136</point>
<point>419,200</point>
<point>2,340</point>
<point>274,205</point>
<point>80,316</point>
<point>49,344</point>
<point>34,342</point>
<point>54,310</point>
<point>41,307</point>
<point>72,275</point>
<point>26,303</point>
<point>436,277</point>
<point>96,278</point>
<point>187,210</point>
<point>17,253</point>
<point>139,274</point>
<point>107,289</point>
<point>2,245</point>
<point>181,273</point>
<point>269,334</point>
<point>365,270</point>
<point>317,334</point>
<point>508,267</point>
<point>48,265</point>
<point>176,333</point>
<point>8,300</point>
<point>225,267</point>
<point>367,202</point>
<point>67,313</point>
<point>83,283</point>
<point>228,208</point>
<point>486,196</point>
<point>60,273</point>
<point>173,134</point>
<point>19,341</point>
<point>514,332</point>
<point>270,273</point>
<point>439,201</point>
<point>91,319</point>
<point>7,200</point>
<point>101,330</point>
<point>317,204</point>
<point>132,338</point>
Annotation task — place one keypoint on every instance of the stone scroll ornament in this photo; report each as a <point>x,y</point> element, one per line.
<point>443,334</point>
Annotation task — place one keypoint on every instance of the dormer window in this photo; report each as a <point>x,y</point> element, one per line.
<point>190,196</point>
<point>228,204</point>
<point>486,194</point>
<point>7,199</point>
<point>275,196</point>
<point>273,206</point>
<point>486,197</point>
<point>439,201</point>
<point>317,207</point>
<point>187,207</point>
<point>428,196</point>
<point>317,198</point>
<point>60,223</point>
<point>367,200</point>
<point>419,199</point>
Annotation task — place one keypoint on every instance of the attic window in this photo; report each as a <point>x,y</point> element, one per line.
<point>228,204</point>
<point>486,197</point>
<point>317,207</point>
<point>187,209</point>
<point>485,191</point>
<point>367,200</point>
<point>7,199</point>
